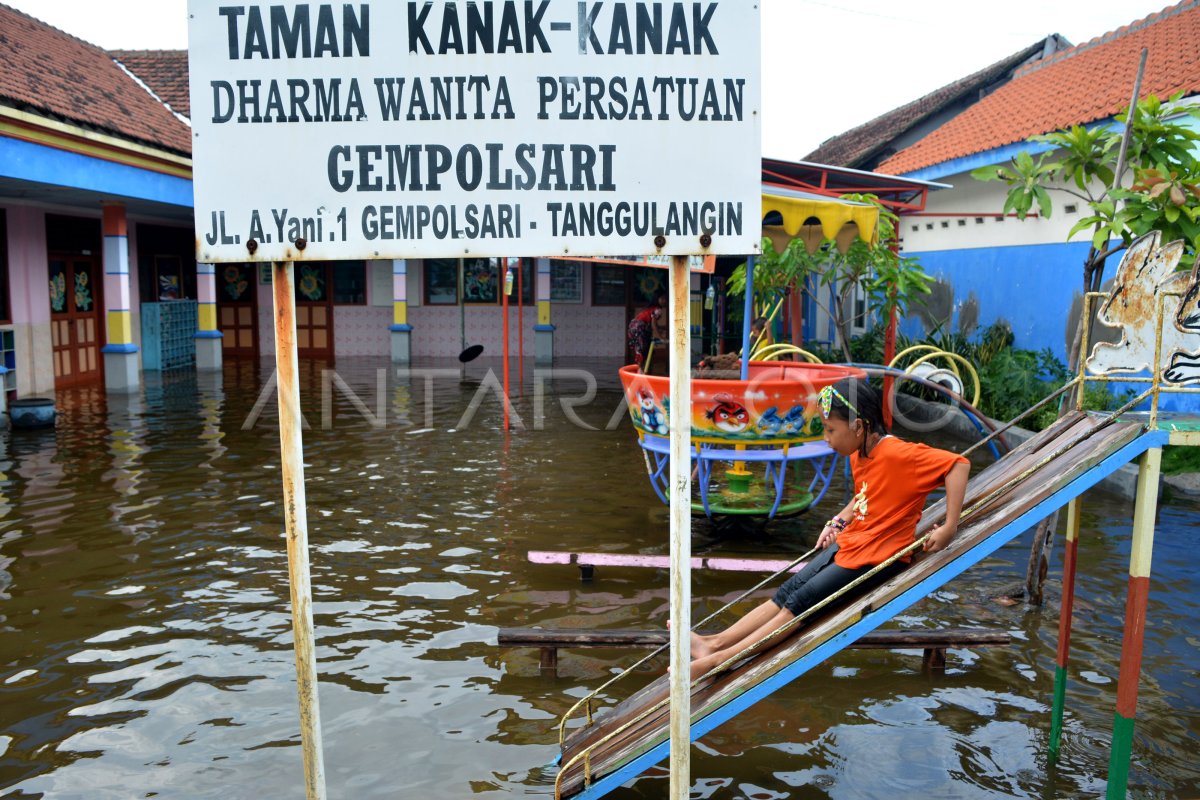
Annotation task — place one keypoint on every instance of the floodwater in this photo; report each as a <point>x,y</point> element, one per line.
<point>145,642</point>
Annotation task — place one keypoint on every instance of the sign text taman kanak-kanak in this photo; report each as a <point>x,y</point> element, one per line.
<point>439,129</point>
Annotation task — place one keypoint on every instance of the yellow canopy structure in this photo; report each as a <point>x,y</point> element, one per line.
<point>840,220</point>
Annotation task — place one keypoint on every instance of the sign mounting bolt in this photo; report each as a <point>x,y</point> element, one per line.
<point>705,240</point>
<point>301,243</point>
<point>660,241</point>
<point>251,246</point>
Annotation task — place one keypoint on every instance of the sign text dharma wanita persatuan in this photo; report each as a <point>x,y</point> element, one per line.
<point>392,129</point>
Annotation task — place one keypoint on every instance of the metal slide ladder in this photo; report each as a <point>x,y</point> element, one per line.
<point>1004,500</point>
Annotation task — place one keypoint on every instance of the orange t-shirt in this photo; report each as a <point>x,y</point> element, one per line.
<point>892,484</point>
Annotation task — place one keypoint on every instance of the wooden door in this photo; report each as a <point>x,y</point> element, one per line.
<point>237,309</point>
<point>75,322</point>
<point>314,310</point>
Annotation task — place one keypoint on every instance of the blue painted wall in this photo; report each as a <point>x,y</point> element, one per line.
<point>1030,286</point>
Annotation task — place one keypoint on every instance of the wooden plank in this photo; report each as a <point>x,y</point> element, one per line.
<point>659,562</point>
<point>880,639</point>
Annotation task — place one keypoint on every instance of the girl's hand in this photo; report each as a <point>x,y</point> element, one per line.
<point>939,538</point>
<point>828,536</point>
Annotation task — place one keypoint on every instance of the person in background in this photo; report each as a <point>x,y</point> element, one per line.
<point>660,326</point>
<point>759,333</point>
<point>641,328</point>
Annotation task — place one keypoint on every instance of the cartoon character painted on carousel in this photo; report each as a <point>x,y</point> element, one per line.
<point>770,423</point>
<point>652,418</point>
<point>728,414</point>
<point>793,421</point>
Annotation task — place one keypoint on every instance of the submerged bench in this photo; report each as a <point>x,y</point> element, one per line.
<point>934,643</point>
<point>587,562</point>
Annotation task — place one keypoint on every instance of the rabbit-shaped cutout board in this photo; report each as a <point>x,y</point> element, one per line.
<point>1146,273</point>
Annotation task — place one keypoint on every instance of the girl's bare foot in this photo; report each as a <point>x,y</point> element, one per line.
<point>701,666</point>
<point>700,646</point>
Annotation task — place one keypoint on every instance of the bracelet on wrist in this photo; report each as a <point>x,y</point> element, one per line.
<point>837,523</point>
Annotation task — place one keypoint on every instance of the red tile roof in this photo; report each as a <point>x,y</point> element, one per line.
<point>49,72</point>
<point>164,71</point>
<point>1086,83</point>
<point>857,146</point>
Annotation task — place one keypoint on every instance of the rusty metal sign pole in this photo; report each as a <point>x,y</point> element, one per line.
<point>680,419</point>
<point>295,509</point>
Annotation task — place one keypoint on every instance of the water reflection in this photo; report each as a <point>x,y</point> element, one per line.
<point>145,642</point>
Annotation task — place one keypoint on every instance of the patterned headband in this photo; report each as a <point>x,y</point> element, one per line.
<point>826,397</point>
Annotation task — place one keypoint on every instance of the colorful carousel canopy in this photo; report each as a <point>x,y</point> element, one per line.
<point>814,218</point>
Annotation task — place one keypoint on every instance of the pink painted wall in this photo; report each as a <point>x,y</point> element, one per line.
<point>266,319</point>
<point>361,331</point>
<point>582,330</point>
<point>590,331</point>
<point>27,260</point>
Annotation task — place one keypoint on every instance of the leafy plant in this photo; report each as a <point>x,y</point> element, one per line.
<point>1011,380</point>
<point>1159,169</point>
<point>1179,459</point>
<point>889,280</point>
<point>774,272</point>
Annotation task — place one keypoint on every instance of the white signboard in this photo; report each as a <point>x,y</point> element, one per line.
<point>393,129</point>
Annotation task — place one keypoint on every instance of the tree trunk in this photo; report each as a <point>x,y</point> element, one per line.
<point>1039,560</point>
<point>1043,537</point>
<point>796,309</point>
<point>842,321</point>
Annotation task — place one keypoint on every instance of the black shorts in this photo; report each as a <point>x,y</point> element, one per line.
<point>820,578</point>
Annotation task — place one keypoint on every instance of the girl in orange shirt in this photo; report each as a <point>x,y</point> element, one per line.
<point>892,478</point>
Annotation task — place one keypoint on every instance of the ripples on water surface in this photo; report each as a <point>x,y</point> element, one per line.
<point>145,644</point>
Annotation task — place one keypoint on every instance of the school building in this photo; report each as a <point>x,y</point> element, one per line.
<point>98,278</point>
<point>989,266</point>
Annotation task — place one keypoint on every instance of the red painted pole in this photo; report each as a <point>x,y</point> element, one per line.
<point>504,304</point>
<point>1145,506</point>
<point>520,327</point>
<point>1065,616</point>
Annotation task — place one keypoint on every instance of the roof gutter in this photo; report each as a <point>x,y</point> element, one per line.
<point>37,129</point>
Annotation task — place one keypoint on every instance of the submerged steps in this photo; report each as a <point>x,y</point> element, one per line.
<point>933,642</point>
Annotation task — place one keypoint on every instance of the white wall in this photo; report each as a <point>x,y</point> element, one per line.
<point>984,201</point>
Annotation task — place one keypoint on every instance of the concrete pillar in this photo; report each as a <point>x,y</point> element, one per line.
<point>543,345</point>
<point>208,339</point>
<point>401,330</point>
<point>121,373</point>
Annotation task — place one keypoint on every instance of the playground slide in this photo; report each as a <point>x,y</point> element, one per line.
<point>1002,501</point>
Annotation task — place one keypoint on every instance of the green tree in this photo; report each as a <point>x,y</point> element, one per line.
<point>888,279</point>
<point>1152,183</point>
<point>1156,187</point>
